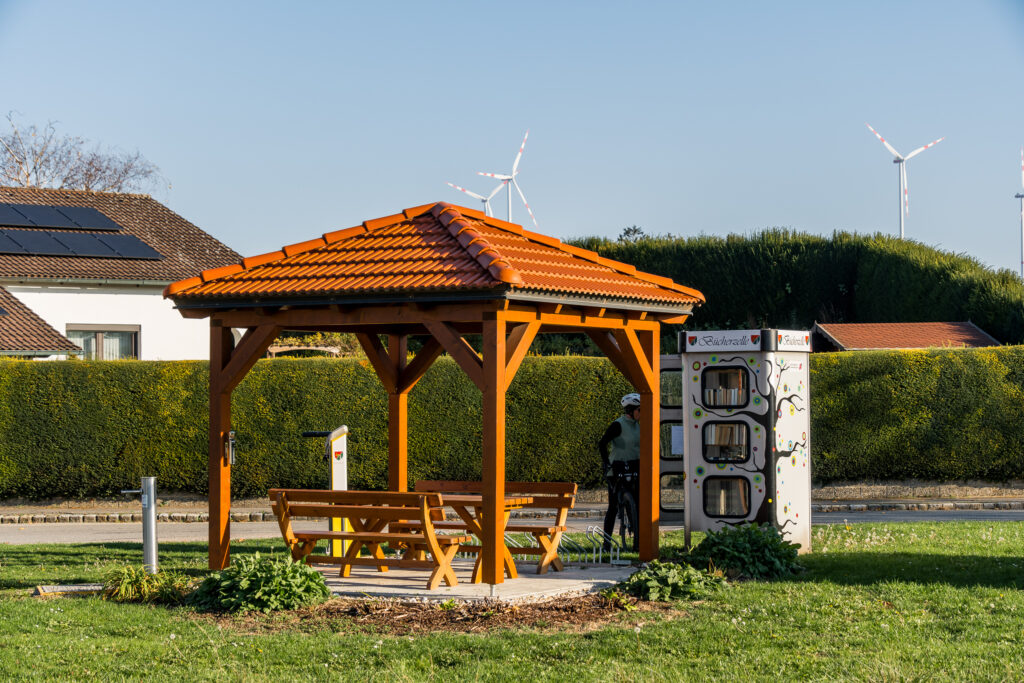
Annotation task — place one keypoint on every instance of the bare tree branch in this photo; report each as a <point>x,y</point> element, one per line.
<point>33,156</point>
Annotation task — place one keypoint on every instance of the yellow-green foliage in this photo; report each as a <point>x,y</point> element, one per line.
<point>92,428</point>
<point>779,278</point>
<point>938,414</point>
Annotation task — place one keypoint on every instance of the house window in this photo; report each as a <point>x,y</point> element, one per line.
<point>726,497</point>
<point>106,342</point>
<point>726,442</point>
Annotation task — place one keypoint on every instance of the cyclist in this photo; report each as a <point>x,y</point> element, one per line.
<point>620,450</point>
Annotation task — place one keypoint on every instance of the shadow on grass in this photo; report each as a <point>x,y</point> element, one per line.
<point>920,568</point>
<point>27,566</point>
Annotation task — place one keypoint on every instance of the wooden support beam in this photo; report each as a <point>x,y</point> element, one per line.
<point>384,314</point>
<point>250,348</point>
<point>650,462</point>
<point>493,511</point>
<point>517,346</point>
<point>634,356</point>
<point>605,341</point>
<point>221,345</point>
<point>419,365</point>
<point>378,357</point>
<point>398,417</point>
<point>459,349</point>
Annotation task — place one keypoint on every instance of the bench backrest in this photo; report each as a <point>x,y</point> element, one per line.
<point>381,504</point>
<point>556,495</point>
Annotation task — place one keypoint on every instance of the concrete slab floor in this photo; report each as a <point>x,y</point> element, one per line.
<point>410,584</point>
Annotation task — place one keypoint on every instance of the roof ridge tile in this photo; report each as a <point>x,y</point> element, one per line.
<point>476,245</point>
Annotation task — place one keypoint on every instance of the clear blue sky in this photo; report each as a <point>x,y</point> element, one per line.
<point>277,121</point>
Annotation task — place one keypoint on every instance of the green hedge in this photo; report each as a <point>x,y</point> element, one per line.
<point>940,414</point>
<point>92,428</point>
<point>79,429</point>
<point>778,278</point>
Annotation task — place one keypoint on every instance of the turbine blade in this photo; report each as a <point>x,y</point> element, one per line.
<point>497,190</point>
<point>528,209</point>
<point>515,164</point>
<point>499,176</point>
<point>921,149</point>
<point>1022,167</point>
<point>470,193</point>
<point>887,145</point>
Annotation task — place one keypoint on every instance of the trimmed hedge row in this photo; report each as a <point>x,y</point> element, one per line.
<point>779,278</point>
<point>77,429</point>
<point>939,414</point>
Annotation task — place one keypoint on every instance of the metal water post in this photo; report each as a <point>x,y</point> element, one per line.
<point>149,554</point>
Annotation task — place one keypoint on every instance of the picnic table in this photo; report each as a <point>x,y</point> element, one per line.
<point>469,508</point>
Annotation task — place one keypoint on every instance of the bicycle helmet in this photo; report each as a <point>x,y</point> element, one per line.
<point>629,402</point>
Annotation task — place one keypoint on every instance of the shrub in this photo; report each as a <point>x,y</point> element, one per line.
<point>254,583</point>
<point>751,551</point>
<point>132,583</point>
<point>664,581</point>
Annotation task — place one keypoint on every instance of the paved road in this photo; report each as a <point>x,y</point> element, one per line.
<point>19,534</point>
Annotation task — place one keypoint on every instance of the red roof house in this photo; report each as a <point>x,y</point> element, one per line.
<point>870,336</point>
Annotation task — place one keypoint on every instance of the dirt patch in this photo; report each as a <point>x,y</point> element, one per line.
<point>397,618</point>
<point>916,488</point>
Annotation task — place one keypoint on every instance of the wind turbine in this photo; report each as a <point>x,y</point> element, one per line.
<point>904,198</point>
<point>486,200</point>
<point>510,179</point>
<point>1020,196</point>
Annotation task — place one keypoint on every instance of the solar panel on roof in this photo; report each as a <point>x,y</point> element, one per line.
<point>88,218</point>
<point>38,242</point>
<point>84,244</point>
<point>9,246</point>
<point>129,246</point>
<point>10,216</point>
<point>45,216</point>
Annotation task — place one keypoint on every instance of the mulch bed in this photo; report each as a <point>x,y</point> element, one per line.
<point>394,617</point>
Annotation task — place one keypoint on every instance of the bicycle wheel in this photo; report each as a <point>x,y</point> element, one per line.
<point>627,530</point>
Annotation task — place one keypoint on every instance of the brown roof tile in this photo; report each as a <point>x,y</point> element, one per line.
<point>186,249</point>
<point>864,336</point>
<point>22,331</point>
<point>435,247</point>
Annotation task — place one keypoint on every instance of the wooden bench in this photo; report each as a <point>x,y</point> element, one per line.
<point>559,497</point>
<point>369,512</point>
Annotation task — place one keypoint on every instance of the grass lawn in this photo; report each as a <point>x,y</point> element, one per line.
<point>877,602</point>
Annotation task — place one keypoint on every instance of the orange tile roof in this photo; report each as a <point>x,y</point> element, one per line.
<point>431,248</point>
<point>864,336</point>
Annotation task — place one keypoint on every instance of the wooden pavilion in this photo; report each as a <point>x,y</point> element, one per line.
<point>443,272</point>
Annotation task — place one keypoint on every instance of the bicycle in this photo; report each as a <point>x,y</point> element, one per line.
<point>627,480</point>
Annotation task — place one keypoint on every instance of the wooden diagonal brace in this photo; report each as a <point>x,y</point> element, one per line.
<point>459,349</point>
<point>253,345</point>
<point>516,347</point>
<point>605,341</point>
<point>633,354</point>
<point>380,361</point>
<point>418,366</point>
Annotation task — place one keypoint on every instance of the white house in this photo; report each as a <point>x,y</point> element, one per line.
<point>84,272</point>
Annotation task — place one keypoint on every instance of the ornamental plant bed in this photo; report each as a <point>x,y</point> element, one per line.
<point>398,618</point>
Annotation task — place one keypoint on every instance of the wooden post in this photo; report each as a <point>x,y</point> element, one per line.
<point>398,418</point>
<point>221,346</point>
<point>493,522</point>
<point>650,456</point>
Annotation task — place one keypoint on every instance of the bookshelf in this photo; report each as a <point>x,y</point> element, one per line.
<point>725,387</point>
<point>726,442</point>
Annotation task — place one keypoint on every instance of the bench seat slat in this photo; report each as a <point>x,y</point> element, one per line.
<point>358,511</point>
<point>383,537</point>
